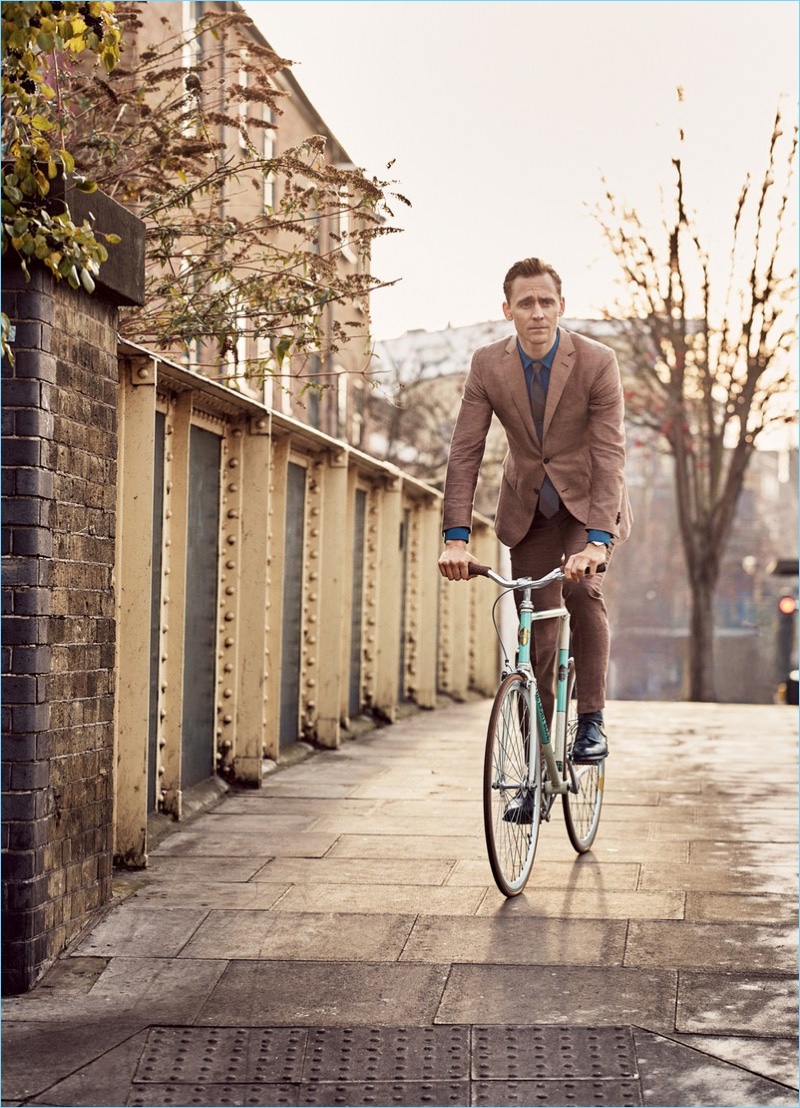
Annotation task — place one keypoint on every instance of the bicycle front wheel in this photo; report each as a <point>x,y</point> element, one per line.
<point>512,786</point>
<point>581,808</point>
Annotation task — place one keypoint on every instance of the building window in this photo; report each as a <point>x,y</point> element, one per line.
<point>341,403</point>
<point>358,413</point>
<point>345,244</point>
<point>243,132</point>
<point>269,154</point>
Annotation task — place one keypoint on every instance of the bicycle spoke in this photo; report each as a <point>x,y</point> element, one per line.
<point>582,809</point>
<point>511,840</point>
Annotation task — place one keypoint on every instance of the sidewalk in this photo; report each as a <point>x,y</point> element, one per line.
<point>337,938</point>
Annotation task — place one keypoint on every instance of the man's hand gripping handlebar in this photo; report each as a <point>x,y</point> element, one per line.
<point>475,569</point>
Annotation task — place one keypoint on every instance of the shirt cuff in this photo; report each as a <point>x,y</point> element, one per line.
<point>598,536</point>
<point>457,533</point>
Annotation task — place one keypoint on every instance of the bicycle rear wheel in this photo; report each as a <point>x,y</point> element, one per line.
<point>581,808</point>
<point>508,788</point>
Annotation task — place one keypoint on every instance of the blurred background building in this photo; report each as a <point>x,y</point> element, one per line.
<point>411,412</point>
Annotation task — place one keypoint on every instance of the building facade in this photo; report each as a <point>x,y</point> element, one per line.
<point>326,390</point>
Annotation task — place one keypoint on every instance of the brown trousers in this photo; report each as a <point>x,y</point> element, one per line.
<point>542,549</point>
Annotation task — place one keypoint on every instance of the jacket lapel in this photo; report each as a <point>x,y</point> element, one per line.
<point>517,385</point>
<point>559,375</point>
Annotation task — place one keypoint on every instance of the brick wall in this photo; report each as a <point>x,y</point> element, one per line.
<point>59,491</point>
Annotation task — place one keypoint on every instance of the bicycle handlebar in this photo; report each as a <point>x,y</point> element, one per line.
<point>477,570</point>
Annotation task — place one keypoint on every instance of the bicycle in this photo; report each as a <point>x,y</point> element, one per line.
<point>521,779</point>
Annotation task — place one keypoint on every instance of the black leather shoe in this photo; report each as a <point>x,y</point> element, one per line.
<point>520,810</point>
<point>590,740</point>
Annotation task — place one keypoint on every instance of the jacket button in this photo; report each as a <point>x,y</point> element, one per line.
<point>546,461</point>
<point>536,491</point>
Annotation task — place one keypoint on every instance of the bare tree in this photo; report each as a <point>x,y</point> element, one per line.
<point>412,413</point>
<point>710,366</point>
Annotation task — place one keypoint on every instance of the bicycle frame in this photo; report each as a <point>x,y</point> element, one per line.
<point>552,739</point>
<point>552,736</point>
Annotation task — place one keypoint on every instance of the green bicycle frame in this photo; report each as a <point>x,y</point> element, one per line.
<point>553,752</point>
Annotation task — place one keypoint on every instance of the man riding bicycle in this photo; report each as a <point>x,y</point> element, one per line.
<point>559,398</point>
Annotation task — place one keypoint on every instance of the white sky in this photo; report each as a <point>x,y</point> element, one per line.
<point>502,117</point>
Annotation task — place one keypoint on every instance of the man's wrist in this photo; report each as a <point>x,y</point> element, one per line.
<point>456,534</point>
<point>595,536</point>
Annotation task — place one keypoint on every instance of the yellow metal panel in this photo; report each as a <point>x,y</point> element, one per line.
<point>251,669</point>
<point>336,555</point>
<point>137,397</point>
<point>173,591</point>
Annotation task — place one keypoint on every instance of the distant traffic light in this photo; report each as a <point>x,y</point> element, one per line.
<point>787,605</point>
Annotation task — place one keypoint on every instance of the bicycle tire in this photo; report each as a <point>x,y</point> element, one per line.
<point>511,845</point>
<point>582,808</point>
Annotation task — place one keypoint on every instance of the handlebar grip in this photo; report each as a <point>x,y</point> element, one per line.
<point>475,569</point>
<point>601,568</point>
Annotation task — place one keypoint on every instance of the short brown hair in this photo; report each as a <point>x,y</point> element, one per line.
<point>529,267</point>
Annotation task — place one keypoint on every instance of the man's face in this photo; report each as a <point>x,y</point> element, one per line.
<point>534,308</point>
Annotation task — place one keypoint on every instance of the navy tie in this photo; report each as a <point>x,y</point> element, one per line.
<point>548,497</point>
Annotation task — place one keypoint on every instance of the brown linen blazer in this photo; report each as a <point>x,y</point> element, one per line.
<point>583,448</point>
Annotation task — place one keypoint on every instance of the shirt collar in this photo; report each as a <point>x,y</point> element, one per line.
<point>547,360</point>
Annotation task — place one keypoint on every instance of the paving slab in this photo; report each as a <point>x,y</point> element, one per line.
<point>27,1044</point>
<point>718,908</point>
<point>572,995</point>
<point>206,844</point>
<point>613,846</point>
<point>747,947</point>
<point>739,879</point>
<point>314,936</point>
<point>773,1058</point>
<point>736,852</point>
<point>383,900</point>
<point>377,823</point>
<point>128,990</point>
<point>137,931</point>
<point>585,874</point>
<point>173,867</point>
<point>409,846</point>
<point>325,994</point>
<point>737,1004</point>
<point>598,904</point>
<point>352,871</point>
<point>507,940</point>
<point>669,1077</point>
<point>183,891</point>
<point>252,823</point>
<point>106,1080</point>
